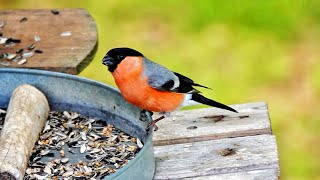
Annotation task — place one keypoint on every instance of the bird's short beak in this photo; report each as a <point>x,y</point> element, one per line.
<point>108,61</point>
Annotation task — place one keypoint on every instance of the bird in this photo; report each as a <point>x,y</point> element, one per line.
<point>151,86</point>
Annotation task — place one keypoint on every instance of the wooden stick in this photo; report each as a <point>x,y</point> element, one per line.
<point>27,113</point>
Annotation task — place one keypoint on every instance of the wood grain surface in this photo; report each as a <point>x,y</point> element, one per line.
<point>206,123</point>
<point>69,54</point>
<point>205,158</point>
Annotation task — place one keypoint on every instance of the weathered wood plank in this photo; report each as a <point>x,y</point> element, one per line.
<point>266,174</point>
<point>68,54</point>
<point>204,124</point>
<point>207,158</point>
<point>27,113</point>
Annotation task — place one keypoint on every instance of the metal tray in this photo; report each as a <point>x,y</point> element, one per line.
<point>72,93</point>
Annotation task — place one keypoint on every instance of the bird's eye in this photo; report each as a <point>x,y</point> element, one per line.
<point>121,56</point>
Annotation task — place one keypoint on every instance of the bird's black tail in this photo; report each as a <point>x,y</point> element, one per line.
<point>201,99</point>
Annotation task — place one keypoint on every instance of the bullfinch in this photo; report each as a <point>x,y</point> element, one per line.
<point>151,86</point>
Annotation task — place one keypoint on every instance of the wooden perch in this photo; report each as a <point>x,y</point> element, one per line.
<point>27,113</point>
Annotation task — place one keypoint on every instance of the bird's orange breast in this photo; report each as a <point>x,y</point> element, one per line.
<point>135,88</point>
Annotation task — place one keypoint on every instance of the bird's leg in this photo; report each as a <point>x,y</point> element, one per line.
<point>153,122</point>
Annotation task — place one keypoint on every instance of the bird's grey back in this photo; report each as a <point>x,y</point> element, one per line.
<point>158,75</point>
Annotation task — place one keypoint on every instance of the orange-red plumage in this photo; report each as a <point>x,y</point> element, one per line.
<point>135,88</point>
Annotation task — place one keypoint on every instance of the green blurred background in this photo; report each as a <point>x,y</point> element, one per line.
<point>247,51</point>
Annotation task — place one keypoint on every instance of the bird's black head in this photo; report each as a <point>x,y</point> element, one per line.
<point>116,55</point>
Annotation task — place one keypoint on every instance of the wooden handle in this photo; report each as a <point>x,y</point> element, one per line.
<point>26,115</point>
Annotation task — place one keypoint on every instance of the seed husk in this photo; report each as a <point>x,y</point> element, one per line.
<point>38,51</point>
<point>1,24</point>
<point>3,40</point>
<point>4,63</point>
<point>11,56</point>
<point>139,143</point>
<point>55,12</point>
<point>27,54</point>
<point>83,148</point>
<point>67,174</point>
<point>24,19</point>
<point>37,38</point>
<point>31,46</point>
<point>17,58</point>
<point>22,61</point>
<point>66,33</point>
<point>64,160</point>
<point>19,51</point>
<point>12,40</point>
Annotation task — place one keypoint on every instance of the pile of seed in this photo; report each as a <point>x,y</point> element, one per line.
<point>20,56</point>
<point>73,145</point>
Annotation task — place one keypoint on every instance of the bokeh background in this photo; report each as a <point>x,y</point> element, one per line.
<point>247,51</point>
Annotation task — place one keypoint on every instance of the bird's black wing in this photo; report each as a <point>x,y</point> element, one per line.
<point>186,84</point>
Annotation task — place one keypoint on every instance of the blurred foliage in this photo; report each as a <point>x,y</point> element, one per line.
<point>245,50</point>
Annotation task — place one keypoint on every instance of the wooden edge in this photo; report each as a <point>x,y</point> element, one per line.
<point>83,64</point>
<point>87,60</point>
<point>207,124</point>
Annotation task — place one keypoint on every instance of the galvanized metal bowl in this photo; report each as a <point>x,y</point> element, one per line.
<point>72,93</point>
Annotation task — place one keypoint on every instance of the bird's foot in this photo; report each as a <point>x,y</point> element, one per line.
<point>143,115</point>
<point>153,123</point>
<point>150,125</point>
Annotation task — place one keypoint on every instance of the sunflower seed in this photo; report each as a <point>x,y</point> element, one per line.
<point>139,143</point>
<point>83,136</point>
<point>12,40</point>
<point>27,54</point>
<point>67,174</point>
<point>10,44</point>
<point>19,51</point>
<point>94,151</point>
<point>67,114</point>
<point>2,111</point>
<point>17,58</point>
<point>47,127</point>
<point>74,115</point>
<point>55,12</point>
<point>31,46</point>
<point>47,170</point>
<point>37,38</point>
<point>24,19</point>
<point>62,154</point>
<point>1,24</point>
<point>11,56</point>
<point>132,148</point>
<point>4,63</point>
<point>3,40</point>
<point>83,148</point>
<point>66,33</point>
<point>22,61</point>
<point>64,160</point>
<point>44,152</point>
<point>38,51</point>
